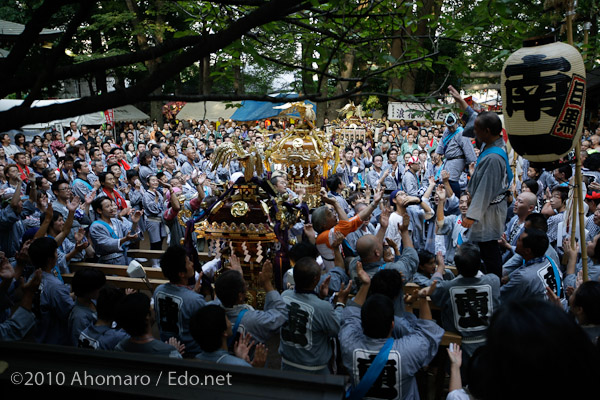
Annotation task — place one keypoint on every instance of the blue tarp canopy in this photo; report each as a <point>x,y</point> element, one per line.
<point>252,110</point>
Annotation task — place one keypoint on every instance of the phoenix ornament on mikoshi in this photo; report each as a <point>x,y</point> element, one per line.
<point>250,158</point>
<point>304,109</point>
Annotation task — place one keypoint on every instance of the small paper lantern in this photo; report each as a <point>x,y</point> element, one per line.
<point>543,97</point>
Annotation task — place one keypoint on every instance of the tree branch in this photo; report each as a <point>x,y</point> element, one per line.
<point>19,116</point>
<point>107,63</point>
<point>30,34</point>
<point>85,7</point>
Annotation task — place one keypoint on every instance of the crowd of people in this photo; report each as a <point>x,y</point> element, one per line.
<point>434,207</point>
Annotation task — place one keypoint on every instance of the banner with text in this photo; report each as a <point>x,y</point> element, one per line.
<point>417,111</point>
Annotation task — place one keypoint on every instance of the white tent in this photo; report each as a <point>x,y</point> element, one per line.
<point>125,113</point>
<point>210,110</point>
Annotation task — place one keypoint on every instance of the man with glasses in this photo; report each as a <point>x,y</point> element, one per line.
<point>63,193</point>
<point>380,176</point>
<point>558,202</point>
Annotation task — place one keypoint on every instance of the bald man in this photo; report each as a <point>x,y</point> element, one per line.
<point>370,251</point>
<point>524,205</point>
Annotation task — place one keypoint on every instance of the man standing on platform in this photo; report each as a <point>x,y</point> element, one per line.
<point>456,149</point>
<point>489,184</point>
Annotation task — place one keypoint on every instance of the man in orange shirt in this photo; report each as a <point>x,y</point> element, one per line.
<point>325,222</point>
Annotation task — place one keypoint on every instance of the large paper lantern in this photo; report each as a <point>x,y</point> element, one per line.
<point>543,97</point>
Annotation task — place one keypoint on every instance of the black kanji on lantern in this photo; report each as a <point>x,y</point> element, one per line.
<point>568,124</point>
<point>577,93</point>
<point>534,93</point>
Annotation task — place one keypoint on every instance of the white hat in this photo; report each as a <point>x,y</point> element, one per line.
<point>235,176</point>
<point>450,119</point>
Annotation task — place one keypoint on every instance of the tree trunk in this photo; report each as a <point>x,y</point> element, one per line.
<point>396,52</point>
<point>308,84</point>
<point>345,72</point>
<point>238,80</point>
<point>99,76</point>
<point>155,106</point>
<point>206,79</point>
<point>322,107</point>
<point>407,83</point>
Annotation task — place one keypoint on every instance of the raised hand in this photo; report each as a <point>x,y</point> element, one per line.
<point>325,199</point>
<point>81,245</point>
<point>391,243</point>
<point>131,236</point>
<point>467,222</point>
<point>455,354</point>
<point>34,283</point>
<point>439,257</point>
<point>338,238</point>
<point>73,205</point>
<point>166,185</point>
<point>175,343</point>
<point>260,356</point>
<point>43,202</point>
<point>427,291</point>
<point>570,251</point>
<point>594,185</point>
<point>384,217</point>
<point>49,211</point>
<point>454,93</point>
<point>503,243</point>
<point>79,234</point>
<point>378,195</point>
<point>265,277</point>
<point>552,297</point>
<point>201,179</point>
<point>242,346</point>
<point>344,292</point>
<point>445,175</point>
<point>324,288</point>
<point>22,256</point>
<point>234,263</point>
<point>309,230</point>
<point>441,192</point>
<point>135,218</point>
<point>364,278</point>
<point>403,226</point>
<point>198,284</point>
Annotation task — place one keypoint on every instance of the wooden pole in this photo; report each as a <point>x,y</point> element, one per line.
<point>581,216</point>
<point>578,210</point>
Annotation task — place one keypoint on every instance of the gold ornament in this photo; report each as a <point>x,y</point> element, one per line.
<point>239,209</point>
